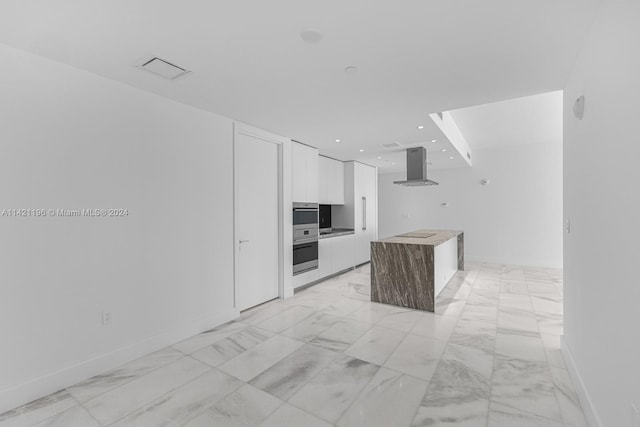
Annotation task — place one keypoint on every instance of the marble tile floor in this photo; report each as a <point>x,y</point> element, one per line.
<point>489,356</point>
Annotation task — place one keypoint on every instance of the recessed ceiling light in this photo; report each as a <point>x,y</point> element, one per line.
<point>351,69</point>
<point>311,35</point>
<point>337,140</point>
<point>420,127</point>
<point>361,150</point>
<point>451,158</point>
<point>379,157</point>
<point>433,140</point>
<point>444,150</point>
<point>393,163</point>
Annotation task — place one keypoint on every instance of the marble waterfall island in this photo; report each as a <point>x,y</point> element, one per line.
<point>410,270</point>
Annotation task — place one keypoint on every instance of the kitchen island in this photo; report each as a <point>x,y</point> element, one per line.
<point>410,270</point>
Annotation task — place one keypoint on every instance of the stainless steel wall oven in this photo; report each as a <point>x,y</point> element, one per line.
<point>305,237</point>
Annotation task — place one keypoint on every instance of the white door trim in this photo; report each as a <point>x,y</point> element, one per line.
<point>285,221</point>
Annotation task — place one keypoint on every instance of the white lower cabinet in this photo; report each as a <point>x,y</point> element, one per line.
<point>304,278</point>
<point>324,257</point>
<point>335,254</point>
<point>342,255</point>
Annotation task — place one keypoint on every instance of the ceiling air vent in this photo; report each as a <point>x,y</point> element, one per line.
<point>391,145</point>
<point>163,68</point>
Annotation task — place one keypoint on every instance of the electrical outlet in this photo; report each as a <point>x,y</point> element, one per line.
<point>635,416</point>
<point>567,226</point>
<point>106,318</point>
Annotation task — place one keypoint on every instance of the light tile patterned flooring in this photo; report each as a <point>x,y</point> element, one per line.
<point>489,356</point>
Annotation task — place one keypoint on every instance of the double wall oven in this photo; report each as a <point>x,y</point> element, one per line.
<point>305,237</point>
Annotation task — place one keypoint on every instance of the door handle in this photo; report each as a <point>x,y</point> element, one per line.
<point>364,213</point>
<point>242,241</point>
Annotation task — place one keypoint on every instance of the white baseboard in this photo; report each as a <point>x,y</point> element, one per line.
<point>288,293</point>
<point>44,385</point>
<point>583,394</point>
<point>509,261</point>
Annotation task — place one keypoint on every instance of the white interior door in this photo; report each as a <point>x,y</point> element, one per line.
<point>256,191</point>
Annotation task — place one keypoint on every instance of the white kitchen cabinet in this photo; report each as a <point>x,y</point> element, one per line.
<point>324,165</point>
<point>312,174</point>
<point>331,181</point>
<point>304,278</point>
<point>365,210</point>
<point>336,183</point>
<point>335,254</point>
<point>325,261</point>
<point>342,253</point>
<point>298,175</point>
<point>304,173</point>
<point>360,208</point>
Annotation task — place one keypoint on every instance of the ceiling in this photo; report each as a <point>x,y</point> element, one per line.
<point>248,61</point>
<point>527,120</point>
<point>535,119</point>
<point>441,154</point>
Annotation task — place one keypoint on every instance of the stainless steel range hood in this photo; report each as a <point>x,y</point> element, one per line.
<point>416,168</point>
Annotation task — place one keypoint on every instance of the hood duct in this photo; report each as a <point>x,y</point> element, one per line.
<point>416,168</point>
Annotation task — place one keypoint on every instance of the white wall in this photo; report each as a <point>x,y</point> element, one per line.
<point>70,139</point>
<point>516,219</point>
<point>601,176</point>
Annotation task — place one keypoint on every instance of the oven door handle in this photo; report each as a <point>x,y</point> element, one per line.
<point>304,241</point>
<point>303,246</point>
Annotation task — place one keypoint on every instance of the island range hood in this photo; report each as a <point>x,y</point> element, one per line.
<point>416,168</point>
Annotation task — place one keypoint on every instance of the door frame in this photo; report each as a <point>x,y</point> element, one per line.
<point>285,221</point>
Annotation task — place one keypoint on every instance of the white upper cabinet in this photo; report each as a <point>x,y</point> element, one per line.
<point>304,173</point>
<point>323,181</point>
<point>298,175</point>
<point>336,183</point>
<point>331,181</point>
<point>312,174</point>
